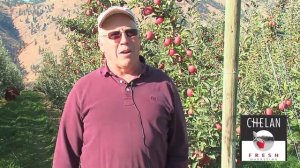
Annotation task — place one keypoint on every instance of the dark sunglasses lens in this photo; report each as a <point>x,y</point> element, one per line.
<point>114,35</point>
<point>131,32</point>
<point>117,34</point>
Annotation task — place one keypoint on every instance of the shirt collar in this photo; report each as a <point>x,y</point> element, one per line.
<point>105,71</point>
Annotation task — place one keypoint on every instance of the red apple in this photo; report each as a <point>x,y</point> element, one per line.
<point>189,52</point>
<point>167,41</point>
<point>157,2</point>
<point>95,9</point>
<point>149,35</point>
<point>192,69</point>
<point>88,12</point>
<point>189,92</point>
<point>95,30</point>
<point>177,40</point>
<point>205,160</point>
<point>179,59</point>
<point>269,111</point>
<point>238,162</point>
<point>238,130</point>
<point>289,102</point>
<point>219,127</point>
<point>282,106</point>
<point>161,65</point>
<point>148,10</point>
<point>190,111</point>
<point>272,24</point>
<point>77,71</point>
<point>159,20</point>
<point>172,52</point>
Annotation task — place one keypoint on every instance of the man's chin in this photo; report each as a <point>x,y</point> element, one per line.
<point>127,63</point>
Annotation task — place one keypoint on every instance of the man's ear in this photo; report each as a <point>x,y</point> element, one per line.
<point>100,44</point>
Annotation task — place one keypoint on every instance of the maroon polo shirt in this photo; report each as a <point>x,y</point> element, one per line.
<point>108,123</point>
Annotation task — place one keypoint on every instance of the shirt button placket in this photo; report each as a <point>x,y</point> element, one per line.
<point>127,95</point>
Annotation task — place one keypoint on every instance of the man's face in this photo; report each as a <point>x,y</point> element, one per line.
<point>119,41</point>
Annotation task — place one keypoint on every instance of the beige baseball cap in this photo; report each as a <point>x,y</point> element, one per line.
<point>114,10</point>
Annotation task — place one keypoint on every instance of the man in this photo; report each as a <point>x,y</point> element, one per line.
<point>125,114</point>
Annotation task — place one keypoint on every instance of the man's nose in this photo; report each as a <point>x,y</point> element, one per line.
<point>124,38</point>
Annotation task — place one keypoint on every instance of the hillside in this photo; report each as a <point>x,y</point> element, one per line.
<point>37,27</point>
<point>8,32</point>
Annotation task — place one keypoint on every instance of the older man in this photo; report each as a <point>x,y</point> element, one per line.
<point>125,114</point>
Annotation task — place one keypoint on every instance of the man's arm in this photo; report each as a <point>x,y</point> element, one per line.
<point>177,156</point>
<point>69,139</point>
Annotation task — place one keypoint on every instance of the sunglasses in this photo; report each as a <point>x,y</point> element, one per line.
<point>115,35</point>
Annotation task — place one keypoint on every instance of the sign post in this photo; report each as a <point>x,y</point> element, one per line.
<point>230,74</point>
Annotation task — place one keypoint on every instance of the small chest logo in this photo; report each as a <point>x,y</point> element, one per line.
<point>153,98</point>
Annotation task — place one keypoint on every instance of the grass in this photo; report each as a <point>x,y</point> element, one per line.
<point>27,132</point>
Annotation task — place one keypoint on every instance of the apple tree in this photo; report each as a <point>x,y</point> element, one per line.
<point>10,74</point>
